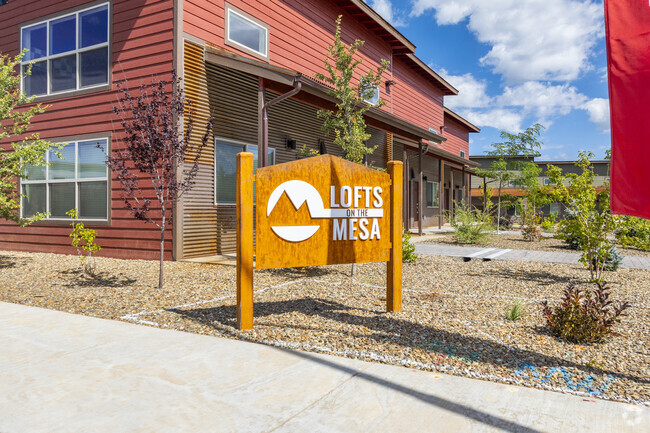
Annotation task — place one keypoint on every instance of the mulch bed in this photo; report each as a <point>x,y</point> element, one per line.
<point>452,320</point>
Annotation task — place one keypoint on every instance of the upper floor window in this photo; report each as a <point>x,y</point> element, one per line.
<point>462,154</point>
<point>246,33</point>
<point>69,52</point>
<point>374,99</point>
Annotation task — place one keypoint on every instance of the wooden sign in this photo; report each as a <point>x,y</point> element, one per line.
<point>321,211</point>
<point>318,211</point>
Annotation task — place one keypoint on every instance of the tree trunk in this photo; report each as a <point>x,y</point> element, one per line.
<point>353,271</point>
<point>162,254</point>
<point>499,210</point>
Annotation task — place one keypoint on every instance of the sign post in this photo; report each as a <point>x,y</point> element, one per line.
<point>244,200</point>
<point>394,265</point>
<point>317,211</point>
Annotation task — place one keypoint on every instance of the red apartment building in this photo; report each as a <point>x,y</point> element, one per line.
<point>233,57</point>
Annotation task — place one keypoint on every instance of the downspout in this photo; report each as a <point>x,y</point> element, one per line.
<point>297,86</point>
<point>420,190</point>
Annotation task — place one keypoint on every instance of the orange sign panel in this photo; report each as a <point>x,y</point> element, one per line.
<point>319,211</point>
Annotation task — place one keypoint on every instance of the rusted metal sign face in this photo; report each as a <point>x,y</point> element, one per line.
<point>319,211</point>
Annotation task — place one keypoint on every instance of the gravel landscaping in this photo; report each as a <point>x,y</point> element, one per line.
<point>517,242</point>
<point>452,320</point>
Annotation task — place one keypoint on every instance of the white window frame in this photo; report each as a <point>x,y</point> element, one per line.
<point>76,180</point>
<point>547,181</point>
<point>254,21</point>
<point>76,51</point>
<point>436,196</point>
<point>462,154</point>
<point>245,148</point>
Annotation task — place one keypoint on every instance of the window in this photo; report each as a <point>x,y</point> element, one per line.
<point>462,154</point>
<point>432,194</point>
<point>70,52</point>
<point>78,180</point>
<point>374,100</point>
<point>246,33</point>
<point>547,181</point>
<point>225,163</point>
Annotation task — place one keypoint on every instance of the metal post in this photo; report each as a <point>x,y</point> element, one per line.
<point>420,190</point>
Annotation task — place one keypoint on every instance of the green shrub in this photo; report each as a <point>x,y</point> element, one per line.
<point>83,239</point>
<point>471,225</point>
<point>584,316</point>
<point>634,232</point>
<point>530,221</point>
<point>515,311</point>
<point>612,261</point>
<point>408,249</point>
<point>548,223</point>
<point>569,231</point>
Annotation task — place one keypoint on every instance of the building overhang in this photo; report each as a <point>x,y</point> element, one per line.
<point>287,77</point>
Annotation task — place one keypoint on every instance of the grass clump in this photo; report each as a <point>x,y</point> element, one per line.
<point>584,316</point>
<point>516,311</point>
<point>471,225</point>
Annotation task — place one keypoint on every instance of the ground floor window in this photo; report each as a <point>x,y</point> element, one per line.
<point>432,194</point>
<point>76,180</point>
<point>225,165</point>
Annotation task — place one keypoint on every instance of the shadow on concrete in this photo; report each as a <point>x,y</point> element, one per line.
<point>388,329</point>
<point>458,408</point>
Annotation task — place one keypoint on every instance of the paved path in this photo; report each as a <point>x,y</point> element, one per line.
<point>528,255</point>
<point>69,373</point>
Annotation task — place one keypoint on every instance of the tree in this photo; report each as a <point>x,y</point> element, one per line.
<point>154,151</point>
<point>347,120</point>
<point>29,151</point>
<point>593,223</point>
<point>502,168</point>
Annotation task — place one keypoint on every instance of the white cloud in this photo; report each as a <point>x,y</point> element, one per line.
<point>383,8</point>
<point>387,12</point>
<point>530,40</point>
<point>542,99</point>
<point>499,118</point>
<point>598,109</point>
<point>472,93</point>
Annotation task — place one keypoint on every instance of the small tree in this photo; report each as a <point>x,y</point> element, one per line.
<point>347,121</point>
<point>30,150</point>
<point>502,168</point>
<point>154,151</point>
<point>593,223</point>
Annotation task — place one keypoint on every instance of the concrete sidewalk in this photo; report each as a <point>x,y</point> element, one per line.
<point>69,373</point>
<point>635,262</point>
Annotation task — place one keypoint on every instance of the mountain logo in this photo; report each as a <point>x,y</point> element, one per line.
<point>300,192</point>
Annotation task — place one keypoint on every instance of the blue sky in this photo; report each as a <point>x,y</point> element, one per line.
<point>516,62</point>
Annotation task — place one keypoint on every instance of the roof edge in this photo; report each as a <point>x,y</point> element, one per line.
<point>462,120</point>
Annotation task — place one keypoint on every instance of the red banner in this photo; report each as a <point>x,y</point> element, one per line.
<point>627,24</point>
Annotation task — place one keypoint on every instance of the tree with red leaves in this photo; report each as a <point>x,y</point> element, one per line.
<point>155,149</point>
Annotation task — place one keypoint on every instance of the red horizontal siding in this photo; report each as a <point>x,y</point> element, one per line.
<point>142,47</point>
<point>457,136</point>
<point>301,31</point>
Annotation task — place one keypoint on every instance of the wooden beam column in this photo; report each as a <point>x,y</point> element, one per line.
<point>244,198</point>
<point>394,265</point>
